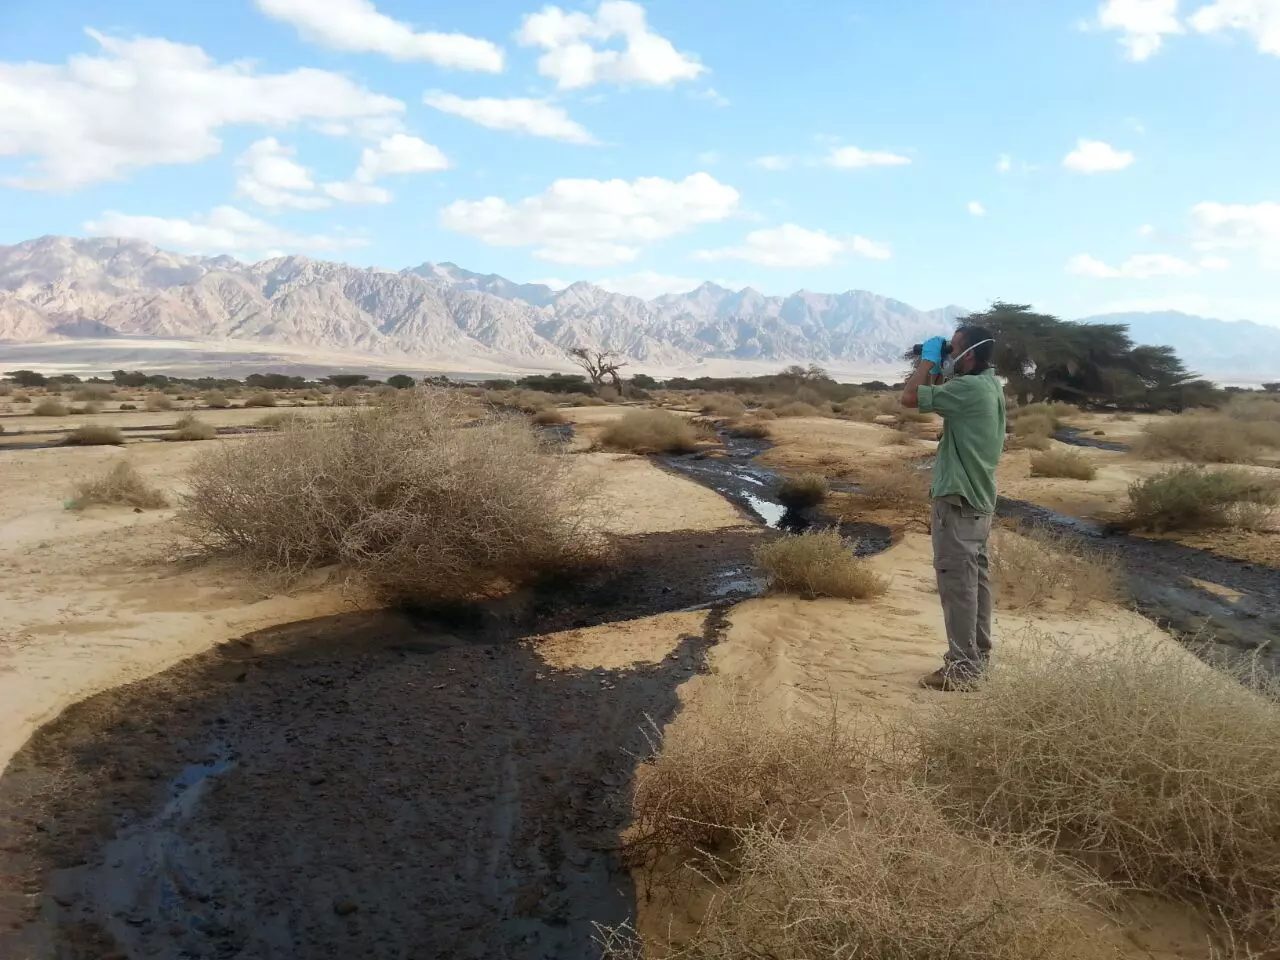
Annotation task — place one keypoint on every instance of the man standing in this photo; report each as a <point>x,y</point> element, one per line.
<point>971,404</point>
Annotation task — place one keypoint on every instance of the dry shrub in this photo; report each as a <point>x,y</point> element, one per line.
<point>797,409</point>
<point>1198,438</point>
<point>1069,464</point>
<point>1136,757</point>
<point>863,408</point>
<point>730,764</point>
<point>216,400</point>
<point>20,397</point>
<point>383,392</point>
<point>1037,564</point>
<point>157,402</point>
<point>281,419</point>
<point>1193,497</point>
<point>311,394</point>
<point>722,405</point>
<point>749,430</point>
<point>122,485</point>
<point>885,878</point>
<point>909,415</point>
<point>1040,442</point>
<point>549,417</point>
<point>1123,417</point>
<point>608,394</point>
<point>93,392</point>
<point>803,491</point>
<point>94,435</point>
<point>650,431</point>
<point>189,428</point>
<point>898,438</point>
<point>417,499</point>
<point>764,413</point>
<point>49,407</point>
<point>894,485</point>
<point>261,398</point>
<point>818,563</point>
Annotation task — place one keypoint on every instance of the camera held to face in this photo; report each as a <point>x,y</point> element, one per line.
<point>917,348</point>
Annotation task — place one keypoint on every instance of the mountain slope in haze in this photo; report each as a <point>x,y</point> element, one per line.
<point>60,287</point>
<point>1236,347</point>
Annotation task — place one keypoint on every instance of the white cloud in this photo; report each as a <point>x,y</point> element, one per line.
<point>222,230</point>
<point>148,101</point>
<point>1143,24</point>
<point>793,246</point>
<point>1095,156</point>
<point>646,284</point>
<point>574,61</point>
<point>1142,266</point>
<point>774,162</point>
<point>357,26</point>
<point>1215,263</point>
<point>270,177</point>
<point>595,222</point>
<point>539,118</point>
<point>853,158</point>
<point>399,153</point>
<point>712,96</point>
<point>976,208</point>
<point>1146,230</point>
<point>349,191</point>
<point>1240,226</point>
<point>1258,18</point>
<point>1004,163</point>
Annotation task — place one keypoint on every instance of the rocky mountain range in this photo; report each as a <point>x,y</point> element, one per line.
<point>59,287</point>
<point>68,289</point>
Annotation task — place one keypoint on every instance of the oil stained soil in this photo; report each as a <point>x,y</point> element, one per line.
<point>372,785</point>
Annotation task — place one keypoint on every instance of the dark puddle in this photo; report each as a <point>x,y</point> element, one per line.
<point>1241,620</point>
<point>1078,438</point>
<point>382,785</point>
<point>734,474</point>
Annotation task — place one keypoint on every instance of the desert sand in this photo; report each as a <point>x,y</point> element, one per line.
<point>104,602</point>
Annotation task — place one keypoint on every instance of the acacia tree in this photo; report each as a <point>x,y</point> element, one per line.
<point>598,365</point>
<point>1044,358</point>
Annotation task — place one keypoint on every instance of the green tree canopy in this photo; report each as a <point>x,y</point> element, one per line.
<point>1096,364</point>
<point>401,381</point>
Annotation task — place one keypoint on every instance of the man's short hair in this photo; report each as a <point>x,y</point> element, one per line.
<point>982,354</point>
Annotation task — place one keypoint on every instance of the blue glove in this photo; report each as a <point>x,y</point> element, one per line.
<point>931,350</point>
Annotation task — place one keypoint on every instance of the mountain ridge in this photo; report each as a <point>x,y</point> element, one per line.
<point>61,288</point>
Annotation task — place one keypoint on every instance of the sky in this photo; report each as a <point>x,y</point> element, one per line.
<point>1077,156</point>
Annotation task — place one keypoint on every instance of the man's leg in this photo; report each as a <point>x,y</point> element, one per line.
<point>955,560</point>
<point>982,632</point>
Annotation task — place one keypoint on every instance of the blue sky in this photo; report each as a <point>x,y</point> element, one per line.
<point>1077,156</point>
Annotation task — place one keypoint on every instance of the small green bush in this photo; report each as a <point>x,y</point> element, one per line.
<point>1193,497</point>
<point>128,406</point>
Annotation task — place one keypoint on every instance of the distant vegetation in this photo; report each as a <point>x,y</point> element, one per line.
<point>122,485</point>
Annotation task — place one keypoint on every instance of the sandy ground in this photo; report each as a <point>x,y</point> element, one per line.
<point>448,745</point>
<point>92,599</point>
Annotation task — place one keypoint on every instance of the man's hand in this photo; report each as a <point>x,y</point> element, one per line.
<point>931,350</point>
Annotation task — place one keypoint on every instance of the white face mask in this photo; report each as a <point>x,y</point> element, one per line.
<point>949,363</point>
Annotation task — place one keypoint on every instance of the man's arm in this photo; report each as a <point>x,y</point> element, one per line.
<point>911,392</point>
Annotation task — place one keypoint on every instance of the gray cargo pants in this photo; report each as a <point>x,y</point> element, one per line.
<point>960,559</point>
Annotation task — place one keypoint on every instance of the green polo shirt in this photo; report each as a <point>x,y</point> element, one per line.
<point>972,411</point>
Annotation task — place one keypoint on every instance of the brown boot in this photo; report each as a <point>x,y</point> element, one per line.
<point>949,680</point>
